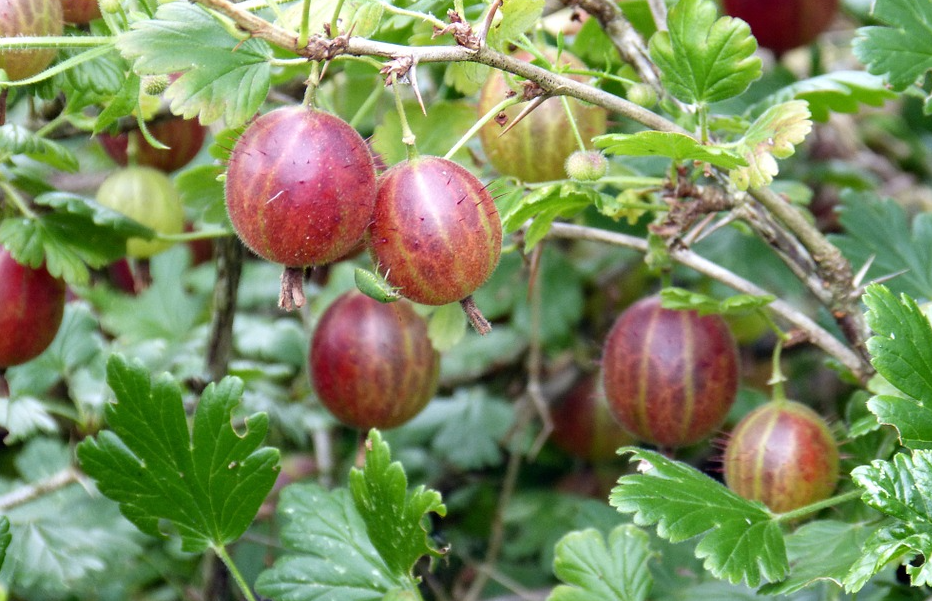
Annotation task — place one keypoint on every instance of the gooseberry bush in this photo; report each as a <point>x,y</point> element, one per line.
<point>502,300</point>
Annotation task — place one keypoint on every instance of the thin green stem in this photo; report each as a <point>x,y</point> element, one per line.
<point>188,236</point>
<point>495,110</point>
<point>572,119</point>
<point>366,106</point>
<point>703,113</point>
<point>11,193</point>
<point>413,14</point>
<point>407,135</point>
<point>234,571</point>
<point>52,125</point>
<point>601,75</point>
<point>62,66</point>
<point>64,41</point>
<point>335,19</point>
<point>313,80</point>
<point>776,375</point>
<point>305,18</point>
<point>806,510</point>
<point>632,181</point>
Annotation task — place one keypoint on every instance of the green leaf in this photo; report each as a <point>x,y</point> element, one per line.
<point>223,76</point>
<point>121,105</point>
<point>78,233</point>
<point>739,539</point>
<point>5,537</point>
<point>596,571</point>
<point>396,519</point>
<point>901,351</point>
<point>165,311</point>
<point>547,203</point>
<point>329,555</point>
<point>901,489</point>
<point>821,550</point>
<point>475,355</point>
<point>77,344</point>
<point>678,147</point>
<point>446,327</point>
<point>514,18</point>
<point>202,193</point>
<point>903,51</point>
<point>23,417</point>
<point>63,541</point>
<point>208,481</point>
<point>464,430</point>
<point>466,78</point>
<point>879,231</point>
<point>16,139</point>
<point>836,92</point>
<point>774,135</point>
<point>739,304</point>
<point>703,59</point>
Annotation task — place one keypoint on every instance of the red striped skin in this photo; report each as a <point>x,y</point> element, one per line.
<point>536,149</point>
<point>300,188</point>
<point>782,25</point>
<point>80,12</point>
<point>32,303</point>
<point>782,454</point>
<point>583,425</point>
<point>184,138</point>
<point>436,233</point>
<point>670,376</point>
<point>28,18</point>
<point>372,364</point>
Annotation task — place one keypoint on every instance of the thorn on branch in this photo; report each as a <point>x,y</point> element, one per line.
<point>403,69</point>
<point>461,30</point>
<point>324,48</point>
<point>536,102</point>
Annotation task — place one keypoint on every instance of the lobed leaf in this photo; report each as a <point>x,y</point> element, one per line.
<point>774,135</point>
<point>77,233</point>
<point>901,489</point>
<point>208,482</point>
<point>16,139</point>
<point>823,550</point>
<point>517,17</point>
<point>878,231</point>
<point>545,204</point>
<point>329,554</point>
<point>739,304</point>
<point>901,351</point>
<point>704,59</point>
<point>902,51</point>
<point>678,147</point>
<point>395,518</point>
<point>599,570</point>
<point>836,92</point>
<point>739,540</point>
<point>222,76</point>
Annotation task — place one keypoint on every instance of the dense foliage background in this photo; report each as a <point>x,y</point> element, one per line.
<point>169,444</point>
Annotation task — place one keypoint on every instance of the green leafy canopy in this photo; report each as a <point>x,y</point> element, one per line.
<point>740,540</point>
<point>394,517</point>
<point>704,59</point>
<point>598,570</point>
<point>903,51</point>
<point>356,545</point>
<point>901,351</point>
<point>222,76</point>
<point>208,481</point>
